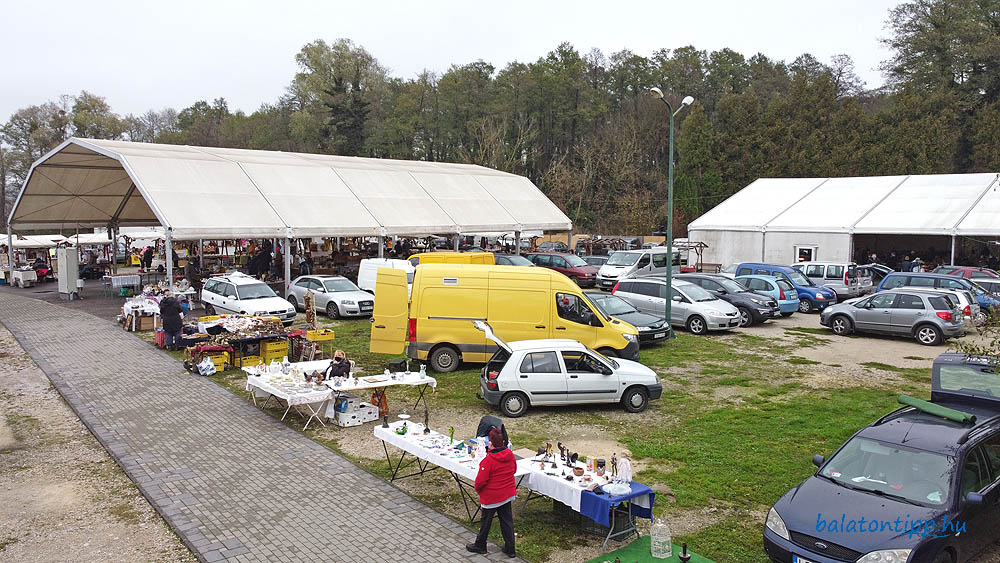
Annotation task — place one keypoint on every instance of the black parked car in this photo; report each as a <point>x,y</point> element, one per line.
<point>651,328</point>
<point>923,484</point>
<point>754,307</point>
<point>511,260</point>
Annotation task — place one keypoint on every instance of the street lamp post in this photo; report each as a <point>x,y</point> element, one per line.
<point>688,100</point>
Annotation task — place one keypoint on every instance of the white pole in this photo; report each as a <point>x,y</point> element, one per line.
<point>169,255</point>
<point>458,238</point>
<point>381,247</point>
<point>952,249</point>
<point>10,255</point>
<point>517,243</point>
<point>288,266</point>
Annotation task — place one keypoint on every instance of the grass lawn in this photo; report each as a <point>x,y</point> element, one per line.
<point>735,429</point>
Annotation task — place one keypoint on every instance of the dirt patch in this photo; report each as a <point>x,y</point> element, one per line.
<point>61,496</point>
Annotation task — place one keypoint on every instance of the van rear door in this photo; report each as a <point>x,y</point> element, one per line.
<point>391,315</point>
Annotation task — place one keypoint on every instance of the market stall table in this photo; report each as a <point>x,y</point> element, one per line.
<point>378,384</point>
<point>602,508</point>
<point>436,449</point>
<point>297,395</point>
<point>24,278</point>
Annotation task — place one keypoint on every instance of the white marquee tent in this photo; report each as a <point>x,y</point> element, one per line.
<point>772,219</point>
<point>208,192</point>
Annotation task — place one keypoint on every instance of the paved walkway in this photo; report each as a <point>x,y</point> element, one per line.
<point>233,482</point>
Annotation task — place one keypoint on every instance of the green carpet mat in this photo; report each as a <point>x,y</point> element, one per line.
<point>638,552</point>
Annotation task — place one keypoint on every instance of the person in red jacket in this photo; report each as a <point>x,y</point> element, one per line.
<point>497,491</point>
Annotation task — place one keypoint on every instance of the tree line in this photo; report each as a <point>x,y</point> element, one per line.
<point>583,127</point>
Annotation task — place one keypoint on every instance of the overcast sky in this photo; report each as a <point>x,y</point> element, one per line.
<point>141,55</point>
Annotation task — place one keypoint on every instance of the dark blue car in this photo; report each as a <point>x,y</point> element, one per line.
<point>811,296</point>
<point>911,487</point>
<point>987,301</point>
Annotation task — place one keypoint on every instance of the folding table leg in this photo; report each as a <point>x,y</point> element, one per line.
<point>466,498</point>
<point>421,397</point>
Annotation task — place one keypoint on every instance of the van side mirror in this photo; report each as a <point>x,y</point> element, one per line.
<point>818,460</point>
<point>677,298</point>
<point>721,291</point>
<point>974,499</point>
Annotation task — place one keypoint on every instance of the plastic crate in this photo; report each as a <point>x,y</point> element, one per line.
<point>278,355</point>
<point>220,359</point>
<point>274,346</point>
<point>322,335</point>
<point>210,318</point>
<point>247,361</point>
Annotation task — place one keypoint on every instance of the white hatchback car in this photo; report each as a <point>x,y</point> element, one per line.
<point>561,372</point>
<point>244,295</point>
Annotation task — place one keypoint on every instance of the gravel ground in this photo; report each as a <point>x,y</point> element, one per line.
<point>61,496</point>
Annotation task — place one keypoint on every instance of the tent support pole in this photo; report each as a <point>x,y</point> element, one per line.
<point>288,265</point>
<point>169,256</point>
<point>201,254</point>
<point>381,247</point>
<point>114,249</point>
<point>952,249</point>
<point>10,255</point>
<point>517,243</point>
<point>458,239</point>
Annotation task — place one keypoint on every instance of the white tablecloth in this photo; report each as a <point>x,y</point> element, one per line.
<point>435,448</point>
<point>130,280</point>
<point>23,276</point>
<point>293,393</point>
<point>556,486</point>
<point>144,306</point>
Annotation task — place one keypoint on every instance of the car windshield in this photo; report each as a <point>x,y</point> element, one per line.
<point>732,286</point>
<point>799,279</point>
<point>336,285</point>
<point>622,259</point>
<point>611,361</point>
<point>698,293</point>
<point>976,288</point>
<point>892,470</point>
<point>576,261</point>
<point>255,291</point>
<point>612,305</point>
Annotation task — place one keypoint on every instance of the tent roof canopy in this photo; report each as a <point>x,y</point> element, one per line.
<point>210,192</point>
<point>941,204</point>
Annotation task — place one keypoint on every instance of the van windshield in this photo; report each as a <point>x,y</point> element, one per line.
<point>799,279</point>
<point>622,259</point>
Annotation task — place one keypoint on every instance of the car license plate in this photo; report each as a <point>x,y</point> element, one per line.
<point>793,295</point>
<point>797,559</point>
<point>366,308</point>
<point>660,335</point>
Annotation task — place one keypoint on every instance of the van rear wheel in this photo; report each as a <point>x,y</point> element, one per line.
<point>209,310</point>
<point>444,359</point>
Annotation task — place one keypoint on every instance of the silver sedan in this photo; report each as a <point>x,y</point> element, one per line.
<point>336,295</point>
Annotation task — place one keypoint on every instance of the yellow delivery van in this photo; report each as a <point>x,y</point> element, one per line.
<point>436,323</point>
<point>452,258</point>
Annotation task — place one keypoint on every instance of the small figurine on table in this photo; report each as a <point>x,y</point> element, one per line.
<point>614,465</point>
<point>562,452</point>
<point>451,435</point>
<point>427,426</point>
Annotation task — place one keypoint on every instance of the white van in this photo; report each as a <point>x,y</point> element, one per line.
<point>368,271</point>
<point>635,263</point>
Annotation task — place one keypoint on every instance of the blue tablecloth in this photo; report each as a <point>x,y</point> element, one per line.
<point>597,507</point>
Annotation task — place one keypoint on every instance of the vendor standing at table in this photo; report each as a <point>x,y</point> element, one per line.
<point>170,312</point>
<point>339,367</point>
<point>497,491</point>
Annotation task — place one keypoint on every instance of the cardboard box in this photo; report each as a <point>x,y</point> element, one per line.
<point>346,403</point>
<point>346,419</point>
<point>367,412</point>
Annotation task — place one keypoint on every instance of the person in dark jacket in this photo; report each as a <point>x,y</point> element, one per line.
<point>497,491</point>
<point>339,367</point>
<point>170,312</point>
<point>147,258</point>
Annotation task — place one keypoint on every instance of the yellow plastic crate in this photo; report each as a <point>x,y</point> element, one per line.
<point>322,335</point>
<point>269,346</point>
<point>268,356</point>
<point>247,361</point>
<point>210,318</point>
<point>220,359</point>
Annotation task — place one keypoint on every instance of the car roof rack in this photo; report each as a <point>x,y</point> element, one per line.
<point>968,434</point>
